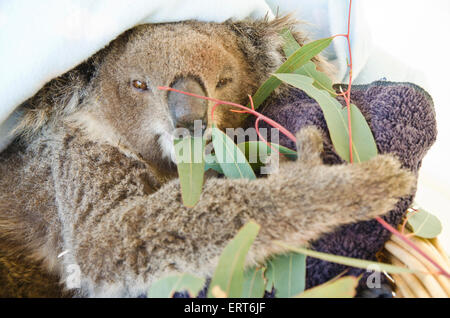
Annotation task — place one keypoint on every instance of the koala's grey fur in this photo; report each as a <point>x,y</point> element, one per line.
<point>91,173</point>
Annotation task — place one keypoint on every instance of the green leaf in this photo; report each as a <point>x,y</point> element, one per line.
<point>424,224</point>
<point>294,62</point>
<point>257,152</point>
<point>344,287</point>
<point>191,168</point>
<point>348,261</point>
<point>229,274</point>
<point>321,80</point>
<point>166,287</point>
<point>290,43</point>
<point>287,274</point>
<point>364,146</point>
<point>230,158</point>
<point>211,163</point>
<point>254,283</point>
<point>301,56</point>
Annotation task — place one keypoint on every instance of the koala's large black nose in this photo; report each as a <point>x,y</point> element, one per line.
<point>184,109</point>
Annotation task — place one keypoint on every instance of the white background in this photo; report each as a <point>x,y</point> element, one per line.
<point>417,33</point>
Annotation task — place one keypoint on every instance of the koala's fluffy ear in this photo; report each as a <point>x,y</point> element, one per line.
<point>261,43</point>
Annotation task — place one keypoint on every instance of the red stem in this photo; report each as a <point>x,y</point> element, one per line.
<point>246,109</point>
<point>409,214</point>
<point>346,96</point>
<point>347,93</point>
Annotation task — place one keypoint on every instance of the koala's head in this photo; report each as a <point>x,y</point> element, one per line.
<point>226,61</point>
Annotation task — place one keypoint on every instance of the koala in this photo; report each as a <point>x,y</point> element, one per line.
<point>90,203</point>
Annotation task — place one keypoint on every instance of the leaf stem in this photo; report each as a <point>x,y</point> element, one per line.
<point>244,108</point>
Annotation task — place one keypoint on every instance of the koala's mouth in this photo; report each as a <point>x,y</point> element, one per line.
<point>165,141</point>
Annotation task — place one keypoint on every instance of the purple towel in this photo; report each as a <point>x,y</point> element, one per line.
<point>402,119</point>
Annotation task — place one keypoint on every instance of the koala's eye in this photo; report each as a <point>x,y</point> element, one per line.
<point>142,86</point>
<point>223,81</point>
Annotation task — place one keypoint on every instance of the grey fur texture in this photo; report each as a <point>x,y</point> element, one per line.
<point>91,176</point>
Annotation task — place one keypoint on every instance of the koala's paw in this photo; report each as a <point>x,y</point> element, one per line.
<point>382,176</point>
<point>378,184</point>
<point>367,189</point>
<point>385,176</point>
<point>309,146</point>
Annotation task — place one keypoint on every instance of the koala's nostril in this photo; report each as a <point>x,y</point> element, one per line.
<point>185,110</point>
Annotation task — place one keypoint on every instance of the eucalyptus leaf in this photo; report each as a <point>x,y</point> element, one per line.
<point>296,60</point>
<point>348,261</point>
<point>254,283</point>
<point>424,224</point>
<point>290,43</point>
<point>321,80</point>
<point>363,145</point>
<point>230,158</point>
<point>191,168</point>
<point>344,287</point>
<point>363,142</point>
<point>167,286</point>
<point>211,163</point>
<point>229,274</point>
<point>305,53</point>
<point>287,274</point>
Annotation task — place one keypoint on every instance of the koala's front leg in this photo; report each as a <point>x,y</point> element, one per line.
<point>124,250</point>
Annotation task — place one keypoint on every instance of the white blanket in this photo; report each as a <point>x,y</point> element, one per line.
<point>40,40</point>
